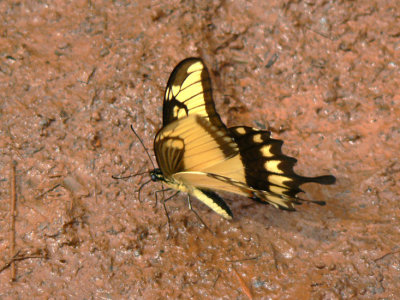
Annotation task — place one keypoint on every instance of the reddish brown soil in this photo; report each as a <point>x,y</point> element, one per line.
<point>322,75</point>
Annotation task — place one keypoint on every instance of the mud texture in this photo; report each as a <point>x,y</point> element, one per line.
<point>323,76</point>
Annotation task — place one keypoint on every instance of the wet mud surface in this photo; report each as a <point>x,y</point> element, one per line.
<point>322,76</point>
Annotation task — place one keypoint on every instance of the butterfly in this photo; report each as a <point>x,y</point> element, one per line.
<point>197,154</point>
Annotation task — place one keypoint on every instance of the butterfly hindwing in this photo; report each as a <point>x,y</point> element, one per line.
<point>189,92</point>
<point>267,169</point>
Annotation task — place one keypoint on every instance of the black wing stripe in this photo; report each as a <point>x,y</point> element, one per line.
<point>191,96</point>
<point>194,153</point>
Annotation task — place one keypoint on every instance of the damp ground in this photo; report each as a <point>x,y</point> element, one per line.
<point>322,76</point>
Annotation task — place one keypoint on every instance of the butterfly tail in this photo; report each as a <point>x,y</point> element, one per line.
<point>325,180</point>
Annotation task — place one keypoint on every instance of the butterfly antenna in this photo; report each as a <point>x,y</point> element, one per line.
<point>128,176</point>
<point>148,154</point>
<point>144,147</point>
<point>163,202</point>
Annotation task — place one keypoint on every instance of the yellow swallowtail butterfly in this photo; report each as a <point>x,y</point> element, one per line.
<point>196,153</point>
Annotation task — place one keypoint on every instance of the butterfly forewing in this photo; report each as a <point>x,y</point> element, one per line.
<point>189,92</point>
<point>192,144</point>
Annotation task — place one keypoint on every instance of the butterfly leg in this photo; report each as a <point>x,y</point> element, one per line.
<point>166,212</point>
<point>140,189</point>
<point>163,190</point>
<point>197,215</point>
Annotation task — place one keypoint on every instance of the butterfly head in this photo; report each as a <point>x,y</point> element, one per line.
<point>157,175</point>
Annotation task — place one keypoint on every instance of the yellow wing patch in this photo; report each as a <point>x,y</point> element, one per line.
<point>257,139</point>
<point>273,166</point>
<point>266,151</point>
